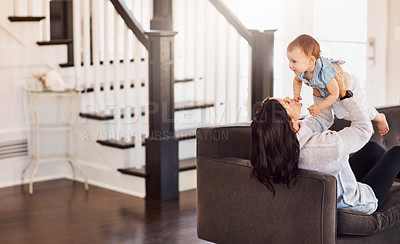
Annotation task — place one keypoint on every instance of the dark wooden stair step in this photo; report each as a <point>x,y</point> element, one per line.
<point>26,18</point>
<point>71,64</point>
<point>187,164</point>
<point>186,134</point>
<point>55,42</point>
<point>184,165</point>
<point>91,89</point>
<point>135,172</point>
<point>181,106</point>
<point>180,135</point>
<point>184,80</point>
<point>101,116</point>
<point>121,86</point>
<point>117,144</point>
<point>96,116</point>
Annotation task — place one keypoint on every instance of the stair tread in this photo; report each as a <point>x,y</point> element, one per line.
<point>101,116</point>
<point>189,105</point>
<point>121,144</point>
<point>184,165</point>
<point>185,134</point>
<point>71,64</point>
<point>54,42</point>
<point>184,80</point>
<point>133,171</point>
<point>91,89</point>
<point>96,116</point>
<point>25,18</point>
<point>117,144</point>
<point>187,164</point>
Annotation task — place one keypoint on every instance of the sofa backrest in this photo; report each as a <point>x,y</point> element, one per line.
<point>390,139</point>
<point>224,141</point>
<point>235,140</point>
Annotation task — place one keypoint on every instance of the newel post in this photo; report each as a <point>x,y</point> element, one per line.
<point>162,15</point>
<point>262,67</point>
<point>162,163</point>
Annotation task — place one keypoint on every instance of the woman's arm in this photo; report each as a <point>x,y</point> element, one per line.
<point>358,134</point>
<point>349,139</point>
<point>325,151</point>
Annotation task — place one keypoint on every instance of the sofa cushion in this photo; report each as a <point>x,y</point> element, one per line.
<point>350,222</point>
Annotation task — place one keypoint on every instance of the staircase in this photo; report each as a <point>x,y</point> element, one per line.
<point>211,82</point>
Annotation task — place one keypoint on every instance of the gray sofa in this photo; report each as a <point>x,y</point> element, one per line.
<point>235,208</point>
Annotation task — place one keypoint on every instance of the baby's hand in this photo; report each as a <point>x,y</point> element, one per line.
<point>314,109</point>
<point>297,97</point>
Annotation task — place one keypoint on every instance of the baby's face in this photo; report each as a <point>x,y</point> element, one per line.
<point>299,62</point>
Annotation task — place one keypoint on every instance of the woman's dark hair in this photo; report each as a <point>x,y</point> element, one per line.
<point>275,149</point>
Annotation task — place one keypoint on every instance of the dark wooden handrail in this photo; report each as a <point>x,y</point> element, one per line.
<point>131,22</point>
<point>233,20</point>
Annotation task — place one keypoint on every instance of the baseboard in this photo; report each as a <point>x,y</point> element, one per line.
<point>187,180</point>
<point>111,179</point>
<point>26,181</point>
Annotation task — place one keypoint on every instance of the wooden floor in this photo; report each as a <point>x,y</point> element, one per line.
<point>60,211</point>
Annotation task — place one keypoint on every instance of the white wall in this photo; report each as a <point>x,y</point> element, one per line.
<point>20,58</point>
<point>393,53</point>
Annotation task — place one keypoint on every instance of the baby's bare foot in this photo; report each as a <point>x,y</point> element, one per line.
<point>381,123</point>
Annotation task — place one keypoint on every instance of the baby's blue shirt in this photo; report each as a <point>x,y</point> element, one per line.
<point>324,73</point>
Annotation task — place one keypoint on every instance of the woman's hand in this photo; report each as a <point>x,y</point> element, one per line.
<point>340,79</point>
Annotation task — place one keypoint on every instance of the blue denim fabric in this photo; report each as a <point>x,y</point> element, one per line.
<point>324,73</point>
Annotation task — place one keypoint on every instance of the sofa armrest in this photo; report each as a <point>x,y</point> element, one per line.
<point>235,208</point>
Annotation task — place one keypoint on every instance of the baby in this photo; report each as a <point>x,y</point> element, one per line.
<point>322,75</point>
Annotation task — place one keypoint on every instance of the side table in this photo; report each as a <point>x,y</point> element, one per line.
<point>37,126</point>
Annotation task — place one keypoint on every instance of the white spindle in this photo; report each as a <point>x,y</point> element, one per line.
<point>195,51</point>
<point>186,38</point>
<point>146,85</point>
<point>77,41</point>
<point>133,7</point>
<point>106,64</point>
<point>228,57</point>
<point>146,11</point>
<point>30,8</point>
<point>138,103</point>
<point>249,104</point>
<point>86,41</point>
<point>216,68</point>
<point>206,50</point>
<point>127,108</point>
<point>238,105</point>
<point>46,21</point>
<point>95,51</point>
<point>16,7</point>
<point>116,83</point>
<point>148,7</point>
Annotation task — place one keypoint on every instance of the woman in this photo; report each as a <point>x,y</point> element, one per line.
<point>281,145</point>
